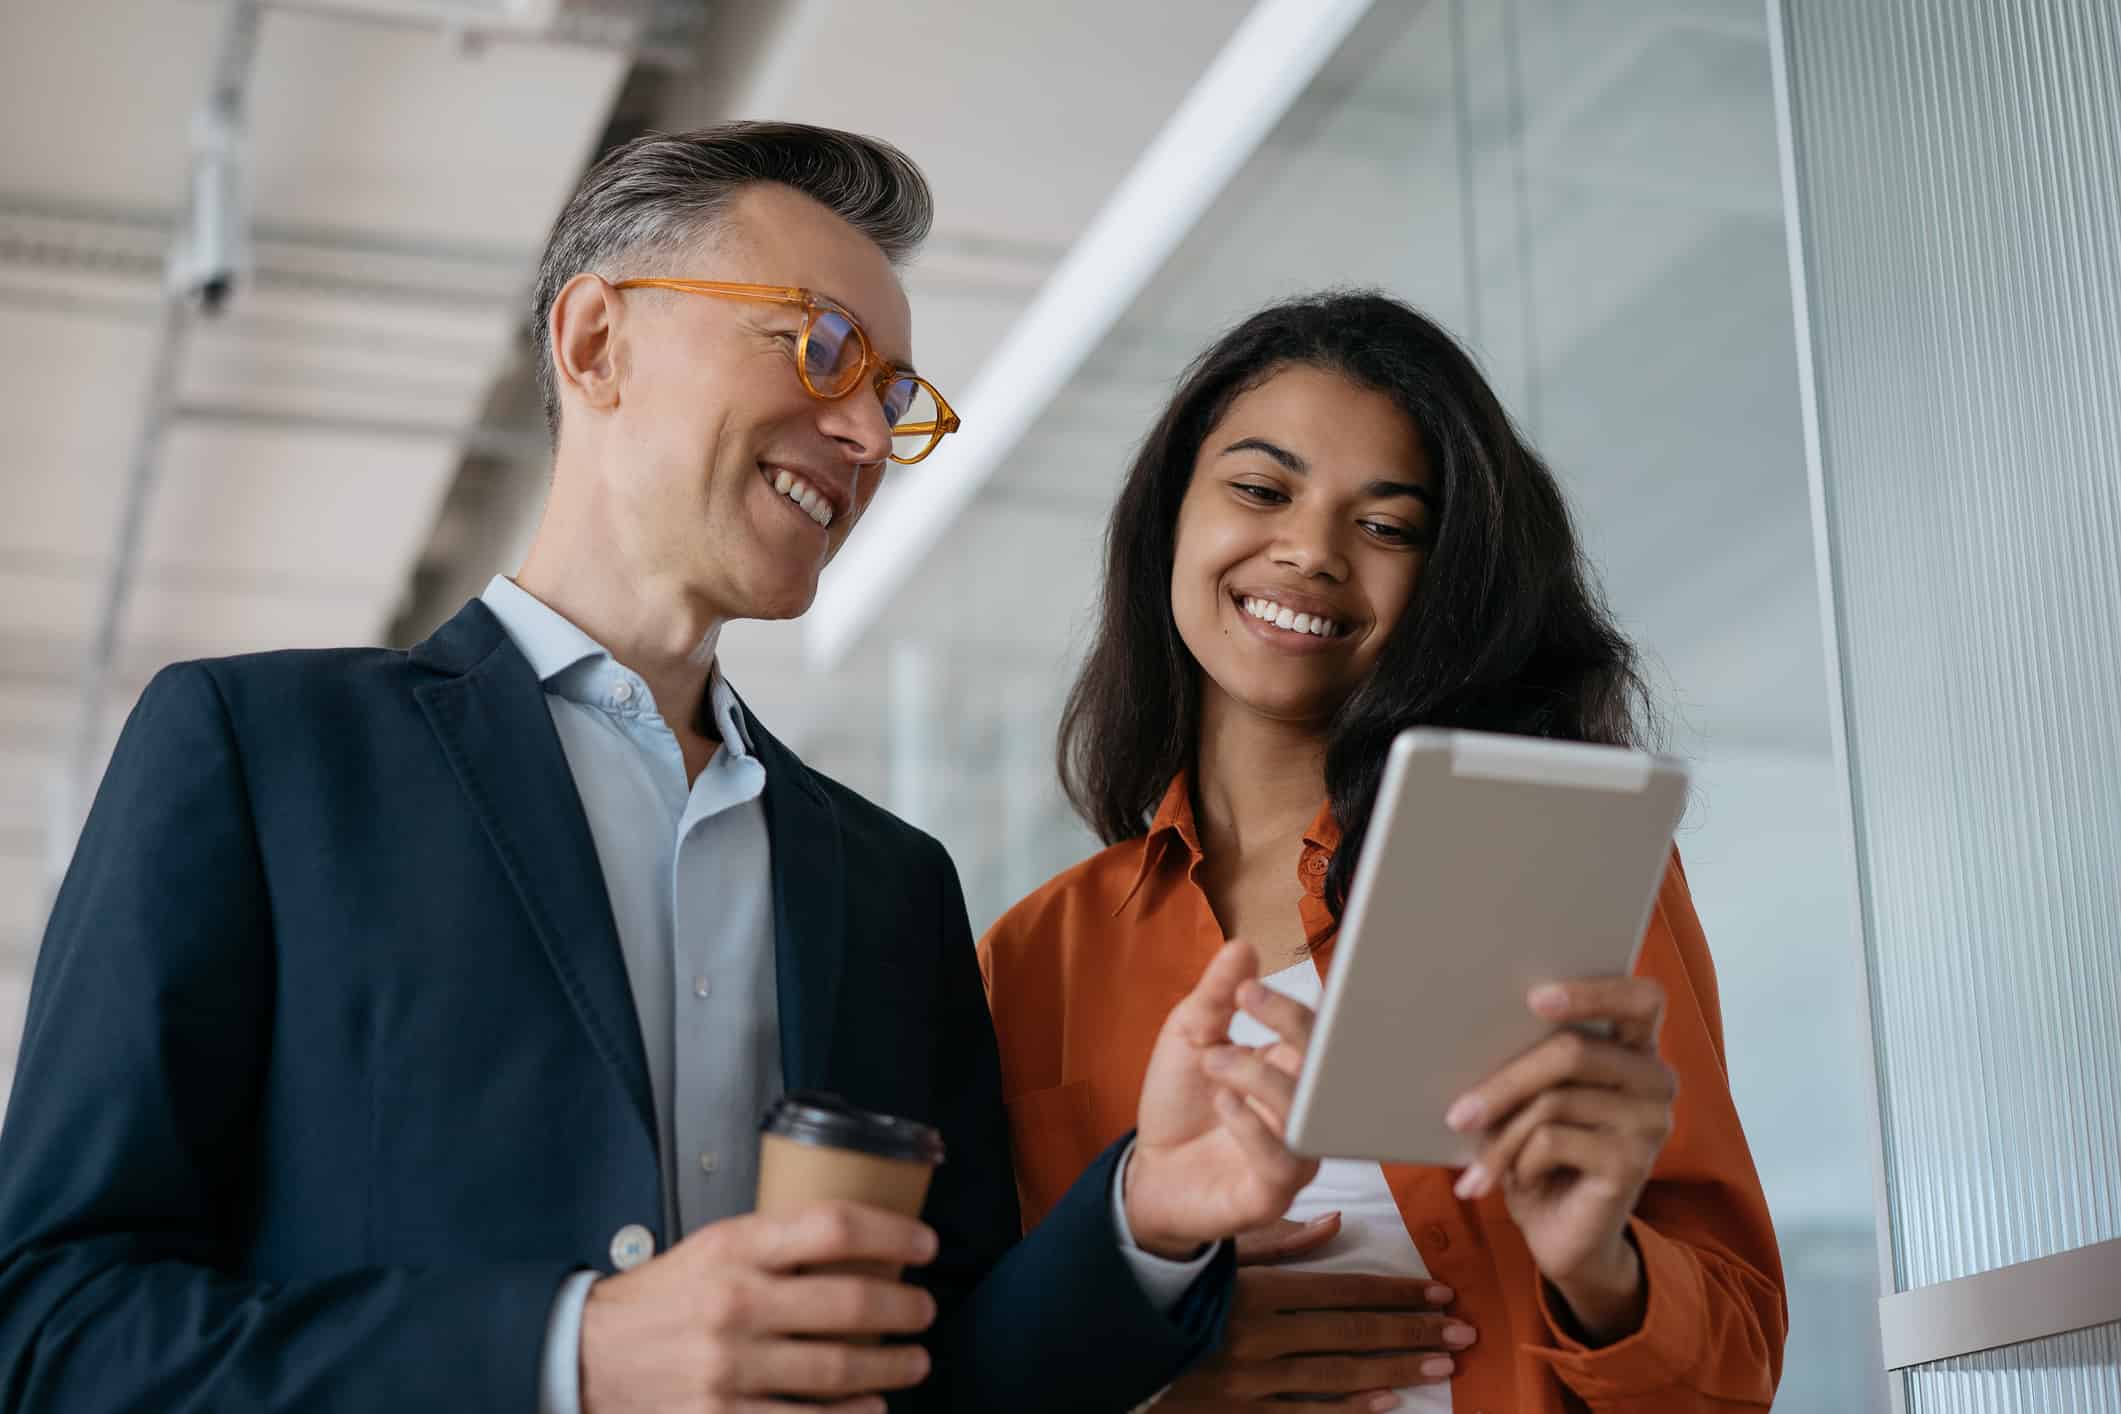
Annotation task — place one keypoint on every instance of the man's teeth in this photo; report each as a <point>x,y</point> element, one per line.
<point>805,495</point>
<point>1270,612</point>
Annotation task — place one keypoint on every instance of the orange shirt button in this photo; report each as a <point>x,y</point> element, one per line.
<point>1435,1237</point>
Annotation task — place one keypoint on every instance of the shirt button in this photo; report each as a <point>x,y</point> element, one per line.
<point>631,1245</point>
<point>701,986</point>
<point>1433,1236</point>
<point>708,1163</point>
<point>623,693</point>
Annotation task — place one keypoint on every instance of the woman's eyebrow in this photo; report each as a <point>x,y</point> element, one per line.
<point>1401,488</point>
<point>1281,454</point>
<point>1294,462</point>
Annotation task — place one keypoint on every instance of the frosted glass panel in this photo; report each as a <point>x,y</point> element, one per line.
<point>2079,1373</point>
<point>1959,183</point>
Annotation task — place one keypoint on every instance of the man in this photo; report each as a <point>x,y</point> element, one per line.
<point>401,1030</point>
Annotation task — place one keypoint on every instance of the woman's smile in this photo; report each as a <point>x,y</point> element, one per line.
<point>1288,624</point>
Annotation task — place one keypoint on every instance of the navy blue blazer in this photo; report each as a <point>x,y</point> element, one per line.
<point>331,1074</point>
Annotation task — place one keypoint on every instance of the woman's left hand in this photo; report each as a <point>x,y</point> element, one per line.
<point>1571,1130</point>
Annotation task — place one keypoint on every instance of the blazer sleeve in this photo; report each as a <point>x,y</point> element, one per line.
<point>1018,1316</point>
<point>127,1160</point>
<point>1712,1336</point>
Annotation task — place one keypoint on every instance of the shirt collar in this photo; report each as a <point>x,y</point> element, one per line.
<point>1174,821</point>
<point>1325,830</point>
<point>548,640</point>
<point>552,644</point>
<point>729,723</point>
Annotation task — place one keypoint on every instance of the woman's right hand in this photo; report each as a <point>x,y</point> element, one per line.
<point>1337,1340</point>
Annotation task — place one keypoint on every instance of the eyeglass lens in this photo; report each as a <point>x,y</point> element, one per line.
<point>833,358</point>
<point>913,415</point>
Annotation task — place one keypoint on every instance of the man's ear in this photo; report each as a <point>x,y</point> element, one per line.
<point>583,327</point>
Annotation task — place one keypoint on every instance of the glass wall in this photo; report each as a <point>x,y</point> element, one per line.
<point>1960,174</point>
<point>1588,192</point>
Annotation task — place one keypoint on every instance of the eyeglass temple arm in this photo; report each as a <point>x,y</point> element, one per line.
<point>764,294</point>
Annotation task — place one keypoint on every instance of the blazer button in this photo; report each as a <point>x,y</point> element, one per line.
<point>631,1245</point>
<point>1433,1236</point>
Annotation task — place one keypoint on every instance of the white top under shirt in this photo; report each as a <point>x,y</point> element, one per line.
<point>1373,1237</point>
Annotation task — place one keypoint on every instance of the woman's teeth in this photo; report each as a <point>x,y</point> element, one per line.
<point>1318,626</point>
<point>805,495</point>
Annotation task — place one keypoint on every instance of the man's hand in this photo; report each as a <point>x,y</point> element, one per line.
<point>1571,1130</point>
<point>1342,1341</point>
<point>722,1323</point>
<point>1208,1158</point>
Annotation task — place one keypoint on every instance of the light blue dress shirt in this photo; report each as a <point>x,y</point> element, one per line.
<point>689,874</point>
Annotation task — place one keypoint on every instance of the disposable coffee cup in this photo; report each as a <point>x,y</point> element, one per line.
<point>814,1147</point>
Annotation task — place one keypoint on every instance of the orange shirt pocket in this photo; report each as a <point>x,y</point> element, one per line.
<point>1051,1139</point>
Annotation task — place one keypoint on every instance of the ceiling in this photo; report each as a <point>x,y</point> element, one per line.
<point>1587,191</point>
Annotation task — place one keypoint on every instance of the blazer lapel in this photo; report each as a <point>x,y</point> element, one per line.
<point>809,909</point>
<point>489,712</point>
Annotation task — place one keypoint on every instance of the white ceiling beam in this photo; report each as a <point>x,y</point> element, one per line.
<point>1235,104</point>
<point>603,24</point>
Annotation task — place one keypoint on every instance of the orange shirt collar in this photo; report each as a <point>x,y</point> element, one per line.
<point>1174,819</point>
<point>1325,830</point>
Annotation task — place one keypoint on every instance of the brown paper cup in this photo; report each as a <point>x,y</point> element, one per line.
<point>793,1174</point>
<point>816,1147</point>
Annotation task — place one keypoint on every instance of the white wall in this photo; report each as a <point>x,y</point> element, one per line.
<point>14,997</point>
<point>1763,853</point>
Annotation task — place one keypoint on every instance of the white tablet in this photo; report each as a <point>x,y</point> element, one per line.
<point>1492,864</point>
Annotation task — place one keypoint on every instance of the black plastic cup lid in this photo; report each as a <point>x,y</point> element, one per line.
<point>819,1117</point>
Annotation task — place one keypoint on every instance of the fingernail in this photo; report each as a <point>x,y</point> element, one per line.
<point>1440,1295</point>
<point>1464,1113</point>
<point>1322,1219</point>
<point>1548,999</point>
<point>1251,994</point>
<point>1219,1059</point>
<point>1471,1182</point>
<point>1384,1401</point>
<point>1437,1367</point>
<point>1458,1333</point>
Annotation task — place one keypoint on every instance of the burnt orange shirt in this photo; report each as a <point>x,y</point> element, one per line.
<point>1081,974</point>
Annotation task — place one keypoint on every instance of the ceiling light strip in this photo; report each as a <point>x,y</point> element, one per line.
<point>1243,93</point>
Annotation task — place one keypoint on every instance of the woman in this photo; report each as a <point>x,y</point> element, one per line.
<point>1334,533</point>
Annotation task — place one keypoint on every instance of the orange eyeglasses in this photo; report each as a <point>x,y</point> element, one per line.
<point>833,357</point>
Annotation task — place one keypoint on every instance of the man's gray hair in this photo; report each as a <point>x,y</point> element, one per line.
<point>654,197</point>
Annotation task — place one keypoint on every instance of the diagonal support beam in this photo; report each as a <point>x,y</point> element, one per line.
<point>1221,122</point>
